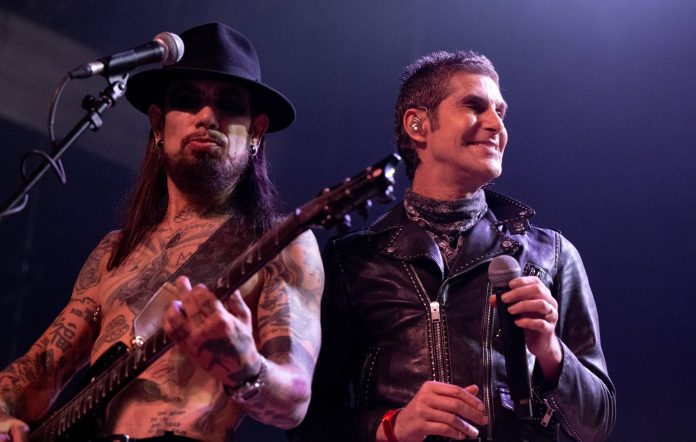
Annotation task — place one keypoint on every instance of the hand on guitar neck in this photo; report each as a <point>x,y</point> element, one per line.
<point>11,428</point>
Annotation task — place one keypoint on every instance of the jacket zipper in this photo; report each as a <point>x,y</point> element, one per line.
<point>437,337</point>
<point>436,329</point>
<point>439,354</point>
<point>487,367</point>
<point>365,376</point>
<point>548,415</point>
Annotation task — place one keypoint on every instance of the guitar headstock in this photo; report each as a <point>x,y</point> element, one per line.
<point>333,205</point>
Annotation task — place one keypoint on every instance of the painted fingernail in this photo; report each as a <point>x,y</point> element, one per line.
<point>179,306</point>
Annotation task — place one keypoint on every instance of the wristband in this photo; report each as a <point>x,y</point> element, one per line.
<point>250,387</point>
<point>387,424</point>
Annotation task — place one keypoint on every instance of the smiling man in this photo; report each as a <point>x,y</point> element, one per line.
<point>412,344</point>
<point>204,173</point>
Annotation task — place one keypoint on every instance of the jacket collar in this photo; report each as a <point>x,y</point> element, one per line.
<point>400,238</point>
<point>509,213</point>
<point>404,239</point>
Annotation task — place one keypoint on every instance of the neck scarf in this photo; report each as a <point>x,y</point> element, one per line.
<point>446,221</point>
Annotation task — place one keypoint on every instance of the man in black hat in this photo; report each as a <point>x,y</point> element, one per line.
<point>204,168</point>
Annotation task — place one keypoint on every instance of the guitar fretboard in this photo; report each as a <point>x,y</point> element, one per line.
<point>102,388</point>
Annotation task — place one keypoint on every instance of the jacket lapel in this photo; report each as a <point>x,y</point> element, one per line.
<point>403,239</point>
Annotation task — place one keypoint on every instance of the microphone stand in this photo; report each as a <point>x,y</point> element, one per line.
<point>92,120</point>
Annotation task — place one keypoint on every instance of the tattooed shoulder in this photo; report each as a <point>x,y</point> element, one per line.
<point>90,274</point>
<point>311,256</point>
<point>304,260</point>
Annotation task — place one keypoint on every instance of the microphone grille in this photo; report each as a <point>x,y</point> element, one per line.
<point>502,269</point>
<point>173,45</point>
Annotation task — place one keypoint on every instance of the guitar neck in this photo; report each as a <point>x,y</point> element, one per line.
<point>258,254</point>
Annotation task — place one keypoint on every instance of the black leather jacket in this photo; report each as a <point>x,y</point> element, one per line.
<point>393,319</point>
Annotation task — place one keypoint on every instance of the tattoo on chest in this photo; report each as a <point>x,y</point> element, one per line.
<point>167,420</point>
<point>214,418</point>
<point>176,371</point>
<point>182,258</point>
<point>113,331</point>
<point>173,240</point>
<point>137,290</point>
<point>153,262</point>
<point>140,390</point>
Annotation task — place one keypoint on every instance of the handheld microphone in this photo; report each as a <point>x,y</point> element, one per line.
<point>501,271</point>
<point>166,47</point>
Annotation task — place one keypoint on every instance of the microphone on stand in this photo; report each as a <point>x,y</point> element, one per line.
<point>501,271</point>
<point>165,48</point>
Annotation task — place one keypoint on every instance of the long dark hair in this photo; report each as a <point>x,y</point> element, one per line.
<point>255,199</point>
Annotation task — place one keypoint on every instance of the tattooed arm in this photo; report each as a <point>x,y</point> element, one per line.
<point>289,333</point>
<point>222,340</point>
<point>29,385</point>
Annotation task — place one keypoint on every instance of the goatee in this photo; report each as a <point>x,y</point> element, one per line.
<point>208,178</point>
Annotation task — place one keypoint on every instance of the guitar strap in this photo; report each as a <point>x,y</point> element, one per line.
<point>207,262</point>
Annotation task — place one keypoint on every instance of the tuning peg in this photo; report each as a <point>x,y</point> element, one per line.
<point>347,221</point>
<point>364,208</point>
<point>344,224</point>
<point>387,195</point>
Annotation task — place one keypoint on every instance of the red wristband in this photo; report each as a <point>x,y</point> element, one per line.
<point>387,424</point>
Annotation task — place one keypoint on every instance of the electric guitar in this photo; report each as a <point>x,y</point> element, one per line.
<point>331,207</point>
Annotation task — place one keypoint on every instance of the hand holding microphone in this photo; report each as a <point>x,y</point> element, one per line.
<point>528,315</point>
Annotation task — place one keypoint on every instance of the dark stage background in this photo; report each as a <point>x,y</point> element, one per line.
<point>601,126</point>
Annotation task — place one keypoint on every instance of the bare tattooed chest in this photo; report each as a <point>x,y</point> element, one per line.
<point>124,291</point>
<point>173,394</point>
<point>151,264</point>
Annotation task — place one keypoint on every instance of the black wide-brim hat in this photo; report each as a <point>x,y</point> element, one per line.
<point>217,52</point>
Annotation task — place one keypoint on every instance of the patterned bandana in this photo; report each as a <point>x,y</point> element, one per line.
<point>446,221</point>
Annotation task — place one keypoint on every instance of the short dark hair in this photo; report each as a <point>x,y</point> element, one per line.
<point>424,84</point>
